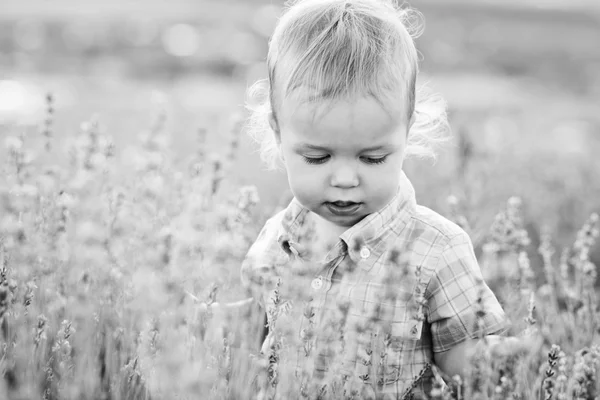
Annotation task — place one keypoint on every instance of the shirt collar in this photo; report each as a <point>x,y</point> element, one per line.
<point>367,240</point>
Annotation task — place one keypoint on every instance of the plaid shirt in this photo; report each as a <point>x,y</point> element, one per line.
<point>405,278</point>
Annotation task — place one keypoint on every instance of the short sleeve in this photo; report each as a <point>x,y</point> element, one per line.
<point>257,271</point>
<point>452,298</point>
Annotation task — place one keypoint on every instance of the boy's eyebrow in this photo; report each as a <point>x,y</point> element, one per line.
<point>308,146</point>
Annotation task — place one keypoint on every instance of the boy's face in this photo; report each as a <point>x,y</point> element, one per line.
<point>346,151</point>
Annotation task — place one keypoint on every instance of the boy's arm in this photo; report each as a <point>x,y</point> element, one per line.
<point>256,331</point>
<point>460,308</point>
<point>456,361</point>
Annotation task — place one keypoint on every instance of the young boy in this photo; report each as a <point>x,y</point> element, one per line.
<point>393,287</point>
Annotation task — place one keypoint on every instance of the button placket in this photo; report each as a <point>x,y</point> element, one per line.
<point>333,265</point>
<point>320,284</point>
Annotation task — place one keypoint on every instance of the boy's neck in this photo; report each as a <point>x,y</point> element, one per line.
<point>327,230</point>
<point>324,238</point>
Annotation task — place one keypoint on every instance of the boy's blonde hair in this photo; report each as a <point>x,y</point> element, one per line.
<point>340,49</point>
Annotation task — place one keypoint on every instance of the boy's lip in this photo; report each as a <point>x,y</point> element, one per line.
<point>341,203</point>
<point>343,208</point>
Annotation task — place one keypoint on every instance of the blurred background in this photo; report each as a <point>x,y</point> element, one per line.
<point>522,79</point>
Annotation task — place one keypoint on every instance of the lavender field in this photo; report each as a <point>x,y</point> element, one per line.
<point>130,193</point>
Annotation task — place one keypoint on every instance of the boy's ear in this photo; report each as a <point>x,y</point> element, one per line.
<point>275,127</point>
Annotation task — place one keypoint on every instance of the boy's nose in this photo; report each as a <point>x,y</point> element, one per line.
<point>344,177</point>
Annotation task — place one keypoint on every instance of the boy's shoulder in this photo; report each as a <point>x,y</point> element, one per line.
<point>267,237</point>
<point>265,248</point>
<point>432,240</point>
<point>428,222</point>
<point>272,225</point>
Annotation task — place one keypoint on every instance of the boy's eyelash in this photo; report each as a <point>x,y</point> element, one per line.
<point>315,160</point>
<point>379,160</point>
<point>321,160</point>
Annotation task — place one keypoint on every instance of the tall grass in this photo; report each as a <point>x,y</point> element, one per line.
<point>119,280</point>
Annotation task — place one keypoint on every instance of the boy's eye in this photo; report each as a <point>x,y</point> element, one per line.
<point>321,160</point>
<point>375,160</point>
<point>315,160</point>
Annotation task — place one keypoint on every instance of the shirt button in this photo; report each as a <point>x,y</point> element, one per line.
<point>317,283</point>
<point>365,253</point>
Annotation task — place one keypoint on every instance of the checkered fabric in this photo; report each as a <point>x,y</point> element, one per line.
<point>399,286</point>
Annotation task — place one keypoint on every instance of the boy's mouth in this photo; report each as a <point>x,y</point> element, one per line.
<point>343,203</point>
<point>343,208</point>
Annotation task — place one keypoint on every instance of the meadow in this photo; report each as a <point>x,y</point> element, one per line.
<point>130,194</point>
